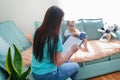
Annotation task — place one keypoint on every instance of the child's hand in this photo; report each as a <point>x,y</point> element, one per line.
<point>75,34</point>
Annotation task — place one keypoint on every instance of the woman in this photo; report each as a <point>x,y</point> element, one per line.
<point>47,60</point>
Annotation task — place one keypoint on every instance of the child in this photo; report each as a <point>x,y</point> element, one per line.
<point>72,31</point>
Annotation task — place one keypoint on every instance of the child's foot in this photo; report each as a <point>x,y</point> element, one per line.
<point>84,49</point>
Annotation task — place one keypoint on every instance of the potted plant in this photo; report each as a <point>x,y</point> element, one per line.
<point>15,66</point>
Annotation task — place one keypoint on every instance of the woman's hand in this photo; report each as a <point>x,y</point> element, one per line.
<point>59,59</point>
<point>74,48</point>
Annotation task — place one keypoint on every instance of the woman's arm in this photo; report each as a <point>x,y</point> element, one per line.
<point>60,59</point>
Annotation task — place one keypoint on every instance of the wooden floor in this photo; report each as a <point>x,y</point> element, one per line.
<point>111,76</point>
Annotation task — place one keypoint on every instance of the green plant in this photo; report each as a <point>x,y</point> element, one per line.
<point>15,66</point>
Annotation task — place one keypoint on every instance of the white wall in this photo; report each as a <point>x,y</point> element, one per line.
<point>106,9</point>
<point>24,12</point>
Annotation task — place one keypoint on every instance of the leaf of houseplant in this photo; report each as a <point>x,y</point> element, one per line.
<point>7,59</point>
<point>10,67</point>
<point>26,73</point>
<point>12,77</point>
<point>18,62</point>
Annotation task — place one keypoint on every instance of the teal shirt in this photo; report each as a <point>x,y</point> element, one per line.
<point>45,66</point>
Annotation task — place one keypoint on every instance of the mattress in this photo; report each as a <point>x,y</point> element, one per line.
<point>97,50</point>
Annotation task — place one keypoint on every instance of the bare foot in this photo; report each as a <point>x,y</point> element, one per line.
<point>83,49</point>
<point>86,49</point>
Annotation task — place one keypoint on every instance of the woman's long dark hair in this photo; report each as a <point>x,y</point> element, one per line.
<point>48,32</point>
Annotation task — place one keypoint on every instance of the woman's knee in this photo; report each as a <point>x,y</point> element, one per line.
<point>76,66</point>
<point>70,66</point>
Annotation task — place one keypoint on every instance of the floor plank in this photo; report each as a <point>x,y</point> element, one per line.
<point>111,76</point>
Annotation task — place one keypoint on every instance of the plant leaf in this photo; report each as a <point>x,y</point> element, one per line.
<point>26,73</point>
<point>9,65</point>
<point>12,77</point>
<point>18,63</point>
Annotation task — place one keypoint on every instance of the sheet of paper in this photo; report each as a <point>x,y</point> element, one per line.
<point>69,42</point>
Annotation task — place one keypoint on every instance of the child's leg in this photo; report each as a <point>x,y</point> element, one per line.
<point>83,36</point>
<point>85,44</point>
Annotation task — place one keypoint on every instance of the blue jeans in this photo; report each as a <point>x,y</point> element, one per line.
<point>66,70</point>
<point>82,35</point>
